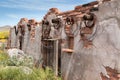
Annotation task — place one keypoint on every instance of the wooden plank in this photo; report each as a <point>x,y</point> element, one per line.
<point>56,42</point>
<point>68,50</point>
<point>54,39</point>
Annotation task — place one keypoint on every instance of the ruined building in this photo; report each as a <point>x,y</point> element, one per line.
<point>81,44</point>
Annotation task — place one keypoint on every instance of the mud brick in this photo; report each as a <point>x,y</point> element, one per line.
<point>86,30</point>
<point>54,10</point>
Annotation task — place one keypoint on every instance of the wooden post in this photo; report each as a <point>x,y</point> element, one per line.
<point>56,52</point>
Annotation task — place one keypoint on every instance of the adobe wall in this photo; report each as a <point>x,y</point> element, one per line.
<point>30,46</point>
<point>87,64</point>
<point>84,63</point>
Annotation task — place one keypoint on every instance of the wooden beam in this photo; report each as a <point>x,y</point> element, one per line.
<point>68,50</point>
<point>56,51</point>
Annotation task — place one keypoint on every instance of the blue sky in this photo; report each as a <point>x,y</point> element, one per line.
<point>12,10</point>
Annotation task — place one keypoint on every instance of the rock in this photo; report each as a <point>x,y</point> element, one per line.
<point>15,52</point>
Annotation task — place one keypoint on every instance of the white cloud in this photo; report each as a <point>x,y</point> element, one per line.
<point>37,4</point>
<point>34,8</point>
<point>12,16</point>
<point>20,5</point>
<point>38,17</point>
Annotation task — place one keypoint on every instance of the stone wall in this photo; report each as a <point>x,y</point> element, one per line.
<point>30,45</point>
<point>91,52</point>
<point>87,64</point>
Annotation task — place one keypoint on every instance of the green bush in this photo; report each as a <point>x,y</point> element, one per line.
<point>2,47</point>
<point>46,74</point>
<point>18,73</point>
<point>22,61</point>
<point>15,73</point>
<point>15,69</point>
<point>3,56</point>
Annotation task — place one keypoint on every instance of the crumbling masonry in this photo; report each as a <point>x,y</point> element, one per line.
<point>81,44</point>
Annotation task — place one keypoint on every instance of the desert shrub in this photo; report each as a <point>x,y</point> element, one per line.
<point>24,60</point>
